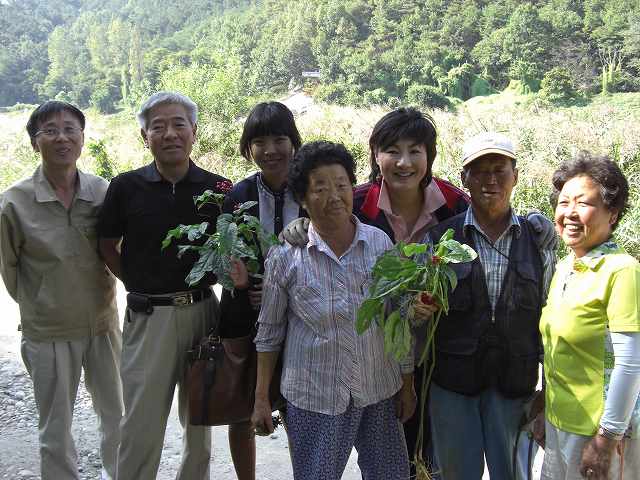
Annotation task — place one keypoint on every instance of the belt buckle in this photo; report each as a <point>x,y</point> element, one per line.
<point>182,300</point>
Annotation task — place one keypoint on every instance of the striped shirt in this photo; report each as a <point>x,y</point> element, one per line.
<point>310,301</point>
<point>494,256</point>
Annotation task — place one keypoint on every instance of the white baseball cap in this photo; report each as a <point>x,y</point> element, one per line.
<point>484,144</point>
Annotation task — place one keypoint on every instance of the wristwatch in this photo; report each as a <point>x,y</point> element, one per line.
<point>603,432</point>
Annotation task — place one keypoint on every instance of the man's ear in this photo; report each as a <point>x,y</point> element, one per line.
<point>143,134</point>
<point>35,146</point>
<point>463,178</point>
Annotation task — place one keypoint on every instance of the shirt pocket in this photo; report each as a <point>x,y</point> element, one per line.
<point>460,298</point>
<point>527,294</point>
<point>314,307</point>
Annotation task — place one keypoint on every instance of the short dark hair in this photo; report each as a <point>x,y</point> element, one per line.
<point>614,187</point>
<point>313,155</point>
<point>408,123</point>
<point>269,118</point>
<point>48,109</point>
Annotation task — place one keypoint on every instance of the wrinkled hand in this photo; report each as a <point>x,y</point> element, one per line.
<point>536,412</point>
<point>239,274</point>
<point>546,238</point>
<point>255,295</point>
<point>296,232</point>
<point>539,429</point>
<point>261,418</point>
<point>406,401</point>
<point>596,458</point>
<point>422,310</point>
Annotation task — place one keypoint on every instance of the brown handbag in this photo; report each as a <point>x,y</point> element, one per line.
<point>221,381</point>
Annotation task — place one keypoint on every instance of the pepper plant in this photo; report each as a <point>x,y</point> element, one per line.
<point>402,276</point>
<point>237,234</point>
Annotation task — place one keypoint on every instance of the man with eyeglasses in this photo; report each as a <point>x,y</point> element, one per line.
<point>50,265</point>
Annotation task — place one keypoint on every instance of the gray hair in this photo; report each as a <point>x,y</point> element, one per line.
<point>162,98</point>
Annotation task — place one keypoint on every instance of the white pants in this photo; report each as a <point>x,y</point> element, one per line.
<point>153,362</point>
<point>563,455</point>
<point>55,369</point>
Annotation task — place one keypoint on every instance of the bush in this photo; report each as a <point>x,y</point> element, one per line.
<point>340,93</point>
<point>374,97</point>
<point>558,86</point>
<point>427,96</point>
<point>104,165</point>
<point>480,88</point>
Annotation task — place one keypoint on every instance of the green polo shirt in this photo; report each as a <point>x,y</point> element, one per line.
<point>588,298</point>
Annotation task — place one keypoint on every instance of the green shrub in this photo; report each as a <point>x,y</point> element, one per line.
<point>480,88</point>
<point>558,86</point>
<point>427,96</point>
<point>374,97</point>
<point>103,165</point>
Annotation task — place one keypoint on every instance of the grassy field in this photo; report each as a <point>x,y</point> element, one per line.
<point>544,136</point>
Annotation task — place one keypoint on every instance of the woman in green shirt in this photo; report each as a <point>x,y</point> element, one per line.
<point>591,331</point>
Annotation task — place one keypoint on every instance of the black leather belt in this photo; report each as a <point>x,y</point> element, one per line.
<point>144,303</point>
<point>180,299</point>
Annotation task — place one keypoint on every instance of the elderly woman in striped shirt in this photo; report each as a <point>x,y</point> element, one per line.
<point>342,390</point>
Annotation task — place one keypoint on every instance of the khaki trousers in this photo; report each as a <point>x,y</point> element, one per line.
<point>55,369</point>
<point>153,362</point>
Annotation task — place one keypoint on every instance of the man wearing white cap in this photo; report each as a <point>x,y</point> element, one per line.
<point>488,346</point>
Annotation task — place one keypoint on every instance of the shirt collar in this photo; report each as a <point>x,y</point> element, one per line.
<point>44,191</point>
<point>592,259</point>
<point>316,241</point>
<point>433,198</point>
<point>265,188</point>
<point>194,173</point>
<point>471,222</point>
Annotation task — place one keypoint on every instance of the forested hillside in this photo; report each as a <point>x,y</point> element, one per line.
<point>110,53</point>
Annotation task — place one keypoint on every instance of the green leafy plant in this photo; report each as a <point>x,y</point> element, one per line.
<point>406,274</point>
<point>237,234</point>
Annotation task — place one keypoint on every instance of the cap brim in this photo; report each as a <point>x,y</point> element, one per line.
<point>487,151</point>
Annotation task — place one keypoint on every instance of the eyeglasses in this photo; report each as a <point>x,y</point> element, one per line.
<point>52,133</point>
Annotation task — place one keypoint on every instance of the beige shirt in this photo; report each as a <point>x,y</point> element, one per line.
<point>433,200</point>
<point>49,260</point>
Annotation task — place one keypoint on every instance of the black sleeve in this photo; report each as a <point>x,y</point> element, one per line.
<point>111,219</point>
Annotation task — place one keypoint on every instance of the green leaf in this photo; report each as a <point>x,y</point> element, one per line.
<point>244,207</point>
<point>368,311</point>
<point>193,232</point>
<point>391,266</point>
<point>451,276</point>
<point>390,332</point>
<point>414,249</point>
<point>209,197</point>
<point>228,234</point>
<point>241,250</point>
<point>448,235</point>
<point>253,266</point>
<point>458,252</point>
<point>201,267</point>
